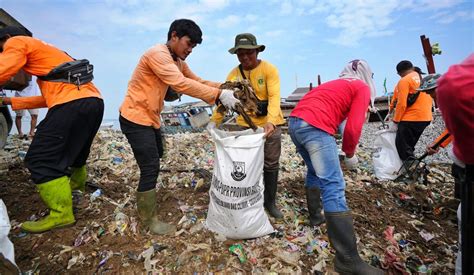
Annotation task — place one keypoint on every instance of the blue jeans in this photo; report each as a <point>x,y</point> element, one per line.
<point>319,152</point>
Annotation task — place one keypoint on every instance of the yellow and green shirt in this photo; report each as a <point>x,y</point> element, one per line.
<point>265,81</point>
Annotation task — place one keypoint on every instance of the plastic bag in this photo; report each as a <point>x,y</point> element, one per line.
<point>386,160</point>
<point>236,194</point>
<point>6,246</point>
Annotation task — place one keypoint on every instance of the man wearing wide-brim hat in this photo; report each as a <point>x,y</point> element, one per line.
<point>264,79</point>
<point>246,41</point>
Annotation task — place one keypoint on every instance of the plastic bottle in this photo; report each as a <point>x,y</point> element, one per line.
<point>96,194</point>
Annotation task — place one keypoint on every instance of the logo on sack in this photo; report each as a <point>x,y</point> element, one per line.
<point>238,173</point>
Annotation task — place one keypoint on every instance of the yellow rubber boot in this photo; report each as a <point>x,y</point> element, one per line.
<point>56,194</point>
<point>78,178</point>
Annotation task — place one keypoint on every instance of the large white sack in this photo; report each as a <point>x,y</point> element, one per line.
<point>6,246</point>
<point>386,160</point>
<point>236,193</point>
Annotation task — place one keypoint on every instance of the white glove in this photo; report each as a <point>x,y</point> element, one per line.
<point>228,99</point>
<point>351,163</point>
<point>393,126</point>
<point>210,126</point>
<point>455,159</point>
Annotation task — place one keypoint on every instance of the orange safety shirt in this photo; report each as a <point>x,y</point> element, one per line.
<point>421,109</point>
<point>155,72</point>
<point>38,58</point>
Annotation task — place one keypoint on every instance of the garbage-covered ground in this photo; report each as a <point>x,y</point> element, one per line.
<point>401,227</point>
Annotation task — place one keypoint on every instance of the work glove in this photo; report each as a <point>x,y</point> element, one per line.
<point>228,99</point>
<point>351,163</point>
<point>210,126</point>
<point>455,159</point>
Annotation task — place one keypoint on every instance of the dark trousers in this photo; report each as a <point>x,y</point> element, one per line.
<point>408,134</point>
<point>272,151</point>
<point>467,221</point>
<point>147,147</point>
<point>64,138</point>
<point>459,175</point>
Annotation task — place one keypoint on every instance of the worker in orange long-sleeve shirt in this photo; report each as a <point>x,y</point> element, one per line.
<point>412,111</point>
<point>63,139</point>
<point>160,68</point>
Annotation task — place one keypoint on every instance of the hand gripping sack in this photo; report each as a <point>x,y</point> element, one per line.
<point>386,160</point>
<point>236,193</point>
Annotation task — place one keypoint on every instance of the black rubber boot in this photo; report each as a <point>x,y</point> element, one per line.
<point>271,179</point>
<point>342,237</point>
<point>313,198</point>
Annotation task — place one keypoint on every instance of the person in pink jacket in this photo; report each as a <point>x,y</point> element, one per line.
<point>312,126</point>
<point>455,96</point>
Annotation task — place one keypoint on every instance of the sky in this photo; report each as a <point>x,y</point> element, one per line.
<point>302,38</point>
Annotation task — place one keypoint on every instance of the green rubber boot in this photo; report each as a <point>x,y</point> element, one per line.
<point>146,206</point>
<point>56,194</point>
<point>78,178</point>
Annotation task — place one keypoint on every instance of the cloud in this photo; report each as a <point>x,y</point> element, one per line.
<point>229,21</point>
<point>437,4</point>
<point>448,18</point>
<point>214,4</point>
<point>154,15</point>
<point>234,20</point>
<point>360,19</point>
<point>273,34</point>
<point>286,7</point>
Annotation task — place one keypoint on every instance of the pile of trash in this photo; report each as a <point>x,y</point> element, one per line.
<point>402,227</point>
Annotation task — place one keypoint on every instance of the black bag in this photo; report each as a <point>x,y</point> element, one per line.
<point>262,108</point>
<point>262,105</point>
<point>76,72</point>
<point>172,95</point>
<point>411,98</point>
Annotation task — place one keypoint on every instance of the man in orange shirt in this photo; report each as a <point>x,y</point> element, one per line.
<point>57,155</point>
<point>412,111</point>
<point>160,68</point>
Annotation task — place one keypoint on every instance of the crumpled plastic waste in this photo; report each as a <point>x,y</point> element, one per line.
<point>74,260</point>
<point>426,235</point>
<point>239,251</point>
